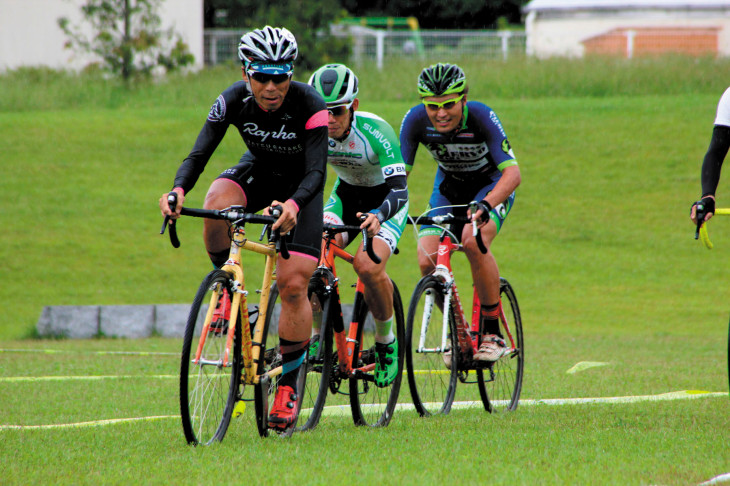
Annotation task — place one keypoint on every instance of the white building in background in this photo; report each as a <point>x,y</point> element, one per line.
<point>30,35</point>
<point>627,28</point>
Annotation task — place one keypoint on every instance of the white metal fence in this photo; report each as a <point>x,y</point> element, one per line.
<point>380,45</point>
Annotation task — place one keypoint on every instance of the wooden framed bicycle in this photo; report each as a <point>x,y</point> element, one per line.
<point>440,343</point>
<point>228,348</point>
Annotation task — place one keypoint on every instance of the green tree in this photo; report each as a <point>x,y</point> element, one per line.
<point>442,14</point>
<point>127,36</point>
<point>308,21</point>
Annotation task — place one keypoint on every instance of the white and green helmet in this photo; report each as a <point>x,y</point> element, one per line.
<point>441,79</point>
<point>336,83</point>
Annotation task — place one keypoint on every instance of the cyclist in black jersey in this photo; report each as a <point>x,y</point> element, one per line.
<point>712,164</point>
<point>476,163</point>
<point>284,126</point>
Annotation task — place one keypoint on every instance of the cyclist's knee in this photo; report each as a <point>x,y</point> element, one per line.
<point>426,266</point>
<point>222,194</point>
<point>292,290</point>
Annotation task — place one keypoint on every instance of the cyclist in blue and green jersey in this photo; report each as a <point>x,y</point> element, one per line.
<point>370,191</point>
<point>475,163</point>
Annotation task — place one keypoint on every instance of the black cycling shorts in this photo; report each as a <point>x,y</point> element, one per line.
<point>260,186</point>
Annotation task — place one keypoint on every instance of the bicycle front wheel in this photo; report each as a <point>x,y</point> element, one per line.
<point>431,377</point>
<point>500,385</point>
<point>209,383</point>
<point>373,405</point>
<point>272,359</point>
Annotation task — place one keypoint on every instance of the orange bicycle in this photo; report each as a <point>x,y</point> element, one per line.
<point>347,353</point>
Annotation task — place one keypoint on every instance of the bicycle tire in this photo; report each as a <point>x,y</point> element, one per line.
<point>431,381</point>
<point>372,405</point>
<point>319,369</point>
<point>266,388</point>
<point>208,396</point>
<point>501,384</point>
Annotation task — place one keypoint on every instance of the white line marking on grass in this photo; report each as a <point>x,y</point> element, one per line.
<point>678,395</point>
<point>95,423</point>
<point>722,478</point>
<point>59,351</point>
<point>344,410</point>
<point>21,379</point>
<point>584,365</point>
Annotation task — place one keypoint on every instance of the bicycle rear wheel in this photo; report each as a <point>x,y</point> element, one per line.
<point>266,389</point>
<point>372,405</point>
<point>432,382</point>
<point>208,389</point>
<point>319,368</point>
<point>500,385</point>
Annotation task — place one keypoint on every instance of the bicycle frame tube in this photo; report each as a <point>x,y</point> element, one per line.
<point>239,306</point>
<point>443,266</point>
<point>345,343</point>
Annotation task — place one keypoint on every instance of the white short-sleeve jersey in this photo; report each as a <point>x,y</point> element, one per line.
<point>723,110</point>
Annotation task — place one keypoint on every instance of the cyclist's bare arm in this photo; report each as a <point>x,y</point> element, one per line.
<point>511,178</point>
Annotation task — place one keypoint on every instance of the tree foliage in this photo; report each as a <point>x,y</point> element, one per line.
<point>442,14</point>
<point>127,36</point>
<point>308,21</point>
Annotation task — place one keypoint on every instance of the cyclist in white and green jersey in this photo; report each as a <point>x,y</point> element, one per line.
<point>364,151</point>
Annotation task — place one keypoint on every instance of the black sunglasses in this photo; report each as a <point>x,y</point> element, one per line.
<point>265,78</point>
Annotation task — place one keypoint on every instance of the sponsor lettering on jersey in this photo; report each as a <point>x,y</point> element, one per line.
<point>384,142</point>
<point>394,170</point>
<point>344,155</point>
<point>495,120</point>
<point>254,130</point>
<point>458,152</point>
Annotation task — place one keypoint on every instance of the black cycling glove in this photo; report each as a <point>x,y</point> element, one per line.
<point>704,206</point>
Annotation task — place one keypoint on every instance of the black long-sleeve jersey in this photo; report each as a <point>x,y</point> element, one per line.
<point>290,141</point>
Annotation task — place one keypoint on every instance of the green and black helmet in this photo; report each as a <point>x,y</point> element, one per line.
<point>441,79</point>
<point>336,83</point>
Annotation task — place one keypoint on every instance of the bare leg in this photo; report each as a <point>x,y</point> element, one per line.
<point>295,321</point>
<point>378,287</point>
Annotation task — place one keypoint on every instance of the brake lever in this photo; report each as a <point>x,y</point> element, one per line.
<point>280,239</point>
<point>172,203</point>
<point>367,244</point>
<point>474,207</point>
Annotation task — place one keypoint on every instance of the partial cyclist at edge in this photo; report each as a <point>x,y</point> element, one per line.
<point>704,209</point>
<point>475,163</point>
<point>283,124</point>
<point>371,184</point>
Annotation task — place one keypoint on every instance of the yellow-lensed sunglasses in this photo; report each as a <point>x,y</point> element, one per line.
<point>446,105</point>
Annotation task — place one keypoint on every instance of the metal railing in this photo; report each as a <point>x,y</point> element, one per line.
<point>379,45</point>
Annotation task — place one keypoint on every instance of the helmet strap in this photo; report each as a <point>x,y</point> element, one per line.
<point>464,115</point>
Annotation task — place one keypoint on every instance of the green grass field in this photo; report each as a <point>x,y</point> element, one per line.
<point>599,249</point>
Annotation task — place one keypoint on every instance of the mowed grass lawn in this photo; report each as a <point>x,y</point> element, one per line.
<point>598,247</point>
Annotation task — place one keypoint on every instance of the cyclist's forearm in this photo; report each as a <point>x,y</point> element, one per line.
<point>312,183</point>
<point>395,200</point>
<point>510,180</point>
<point>714,158</point>
<point>194,164</point>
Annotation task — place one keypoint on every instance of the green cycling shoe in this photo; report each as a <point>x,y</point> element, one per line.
<point>386,363</point>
